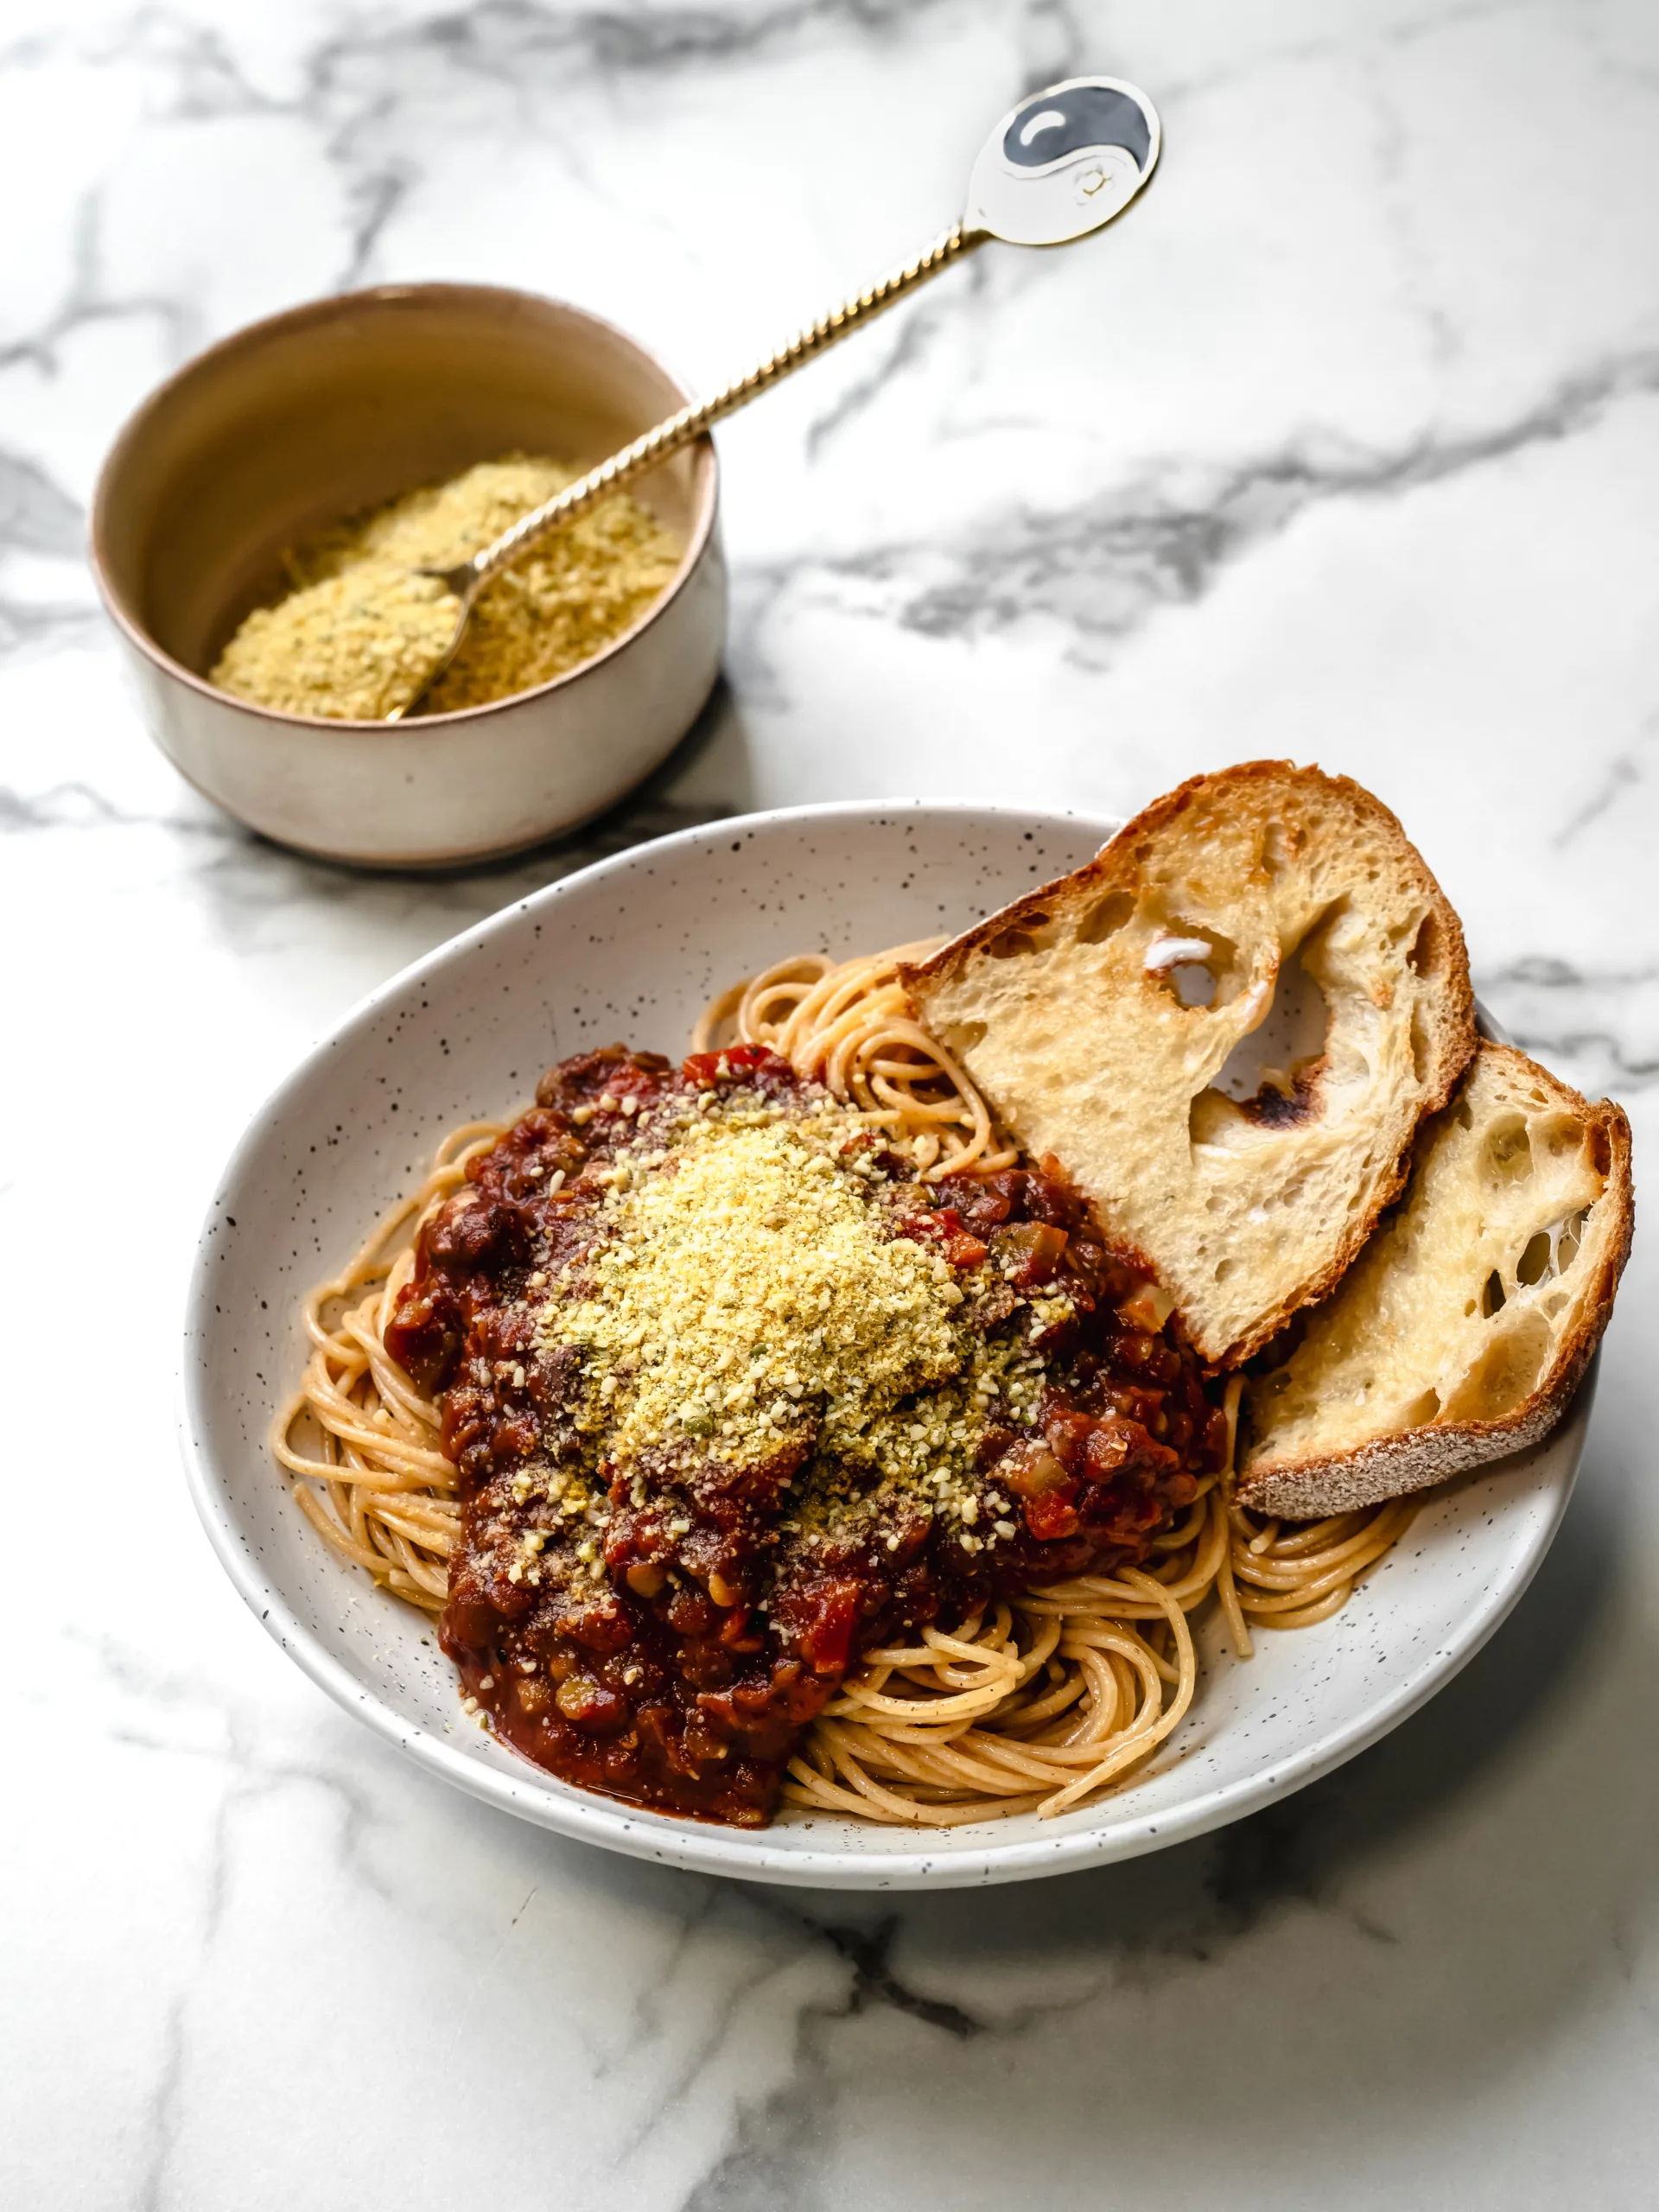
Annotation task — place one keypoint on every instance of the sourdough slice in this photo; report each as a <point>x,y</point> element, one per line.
<point>1105,1018</point>
<point>1462,1329</point>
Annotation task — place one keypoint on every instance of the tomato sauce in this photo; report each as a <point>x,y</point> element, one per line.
<point>665,1631</point>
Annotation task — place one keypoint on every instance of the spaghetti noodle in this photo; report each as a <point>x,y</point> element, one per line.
<point>1032,1704</point>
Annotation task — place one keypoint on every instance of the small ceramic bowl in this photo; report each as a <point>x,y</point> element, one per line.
<point>294,422</point>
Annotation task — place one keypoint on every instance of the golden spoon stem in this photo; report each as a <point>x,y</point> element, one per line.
<point>656,445</point>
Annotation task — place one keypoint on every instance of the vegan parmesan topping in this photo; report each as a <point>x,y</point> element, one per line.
<point>360,632</point>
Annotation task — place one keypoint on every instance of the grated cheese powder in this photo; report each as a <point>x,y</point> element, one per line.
<point>754,1289</point>
<point>358,633</point>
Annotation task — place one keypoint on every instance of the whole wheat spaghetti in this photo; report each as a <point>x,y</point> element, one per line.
<point>849,1025</point>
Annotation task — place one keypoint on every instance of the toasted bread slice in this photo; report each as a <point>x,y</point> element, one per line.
<point>1103,1017</point>
<point>1460,1332</point>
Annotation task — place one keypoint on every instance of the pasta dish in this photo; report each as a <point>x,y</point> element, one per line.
<point>766,1430</point>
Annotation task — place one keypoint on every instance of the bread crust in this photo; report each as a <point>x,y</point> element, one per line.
<point>1107,870</point>
<point>1120,866</point>
<point>1312,1487</point>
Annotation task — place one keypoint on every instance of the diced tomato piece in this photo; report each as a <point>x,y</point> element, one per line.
<point>827,1641</point>
<point>733,1064</point>
<point>945,1228</point>
<point>932,1227</point>
<point>1051,1516</point>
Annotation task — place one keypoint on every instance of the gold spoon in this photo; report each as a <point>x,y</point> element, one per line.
<point>1056,168</point>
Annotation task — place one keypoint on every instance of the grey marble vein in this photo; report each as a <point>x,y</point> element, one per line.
<point>1102,567</point>
<point>1604,1023</point>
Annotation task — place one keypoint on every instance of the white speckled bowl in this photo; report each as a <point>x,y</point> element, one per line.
<point>633,948</point>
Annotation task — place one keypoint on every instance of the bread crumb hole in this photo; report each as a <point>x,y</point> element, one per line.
<point>1105,918</point>
<point>1193,963</point>
<point>1425,1410</point>
<point>1568,1237</point>
<point>1491,1299</point>
<point>1537,1260</point>
<point>1506,1373</point>
<point>1424,958</point>
<point>1286,1039</point>
<point>1506,1156</point>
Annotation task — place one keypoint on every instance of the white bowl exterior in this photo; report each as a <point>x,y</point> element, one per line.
<point>422,794</point>
<point>632,949</point>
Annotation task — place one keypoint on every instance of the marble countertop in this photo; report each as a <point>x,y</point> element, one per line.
<point>1344,445</point>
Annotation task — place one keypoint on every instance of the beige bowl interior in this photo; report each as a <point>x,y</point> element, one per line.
<point>296,421</point>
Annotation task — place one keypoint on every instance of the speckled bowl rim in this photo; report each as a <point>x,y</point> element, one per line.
<point>248,339</point>
<point>746,1854</point>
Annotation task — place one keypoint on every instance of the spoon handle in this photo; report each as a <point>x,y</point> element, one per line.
<point>667,437</point>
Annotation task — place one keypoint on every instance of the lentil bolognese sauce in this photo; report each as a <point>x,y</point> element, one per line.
<point>766,1429</point>
<point>731,1397</point>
